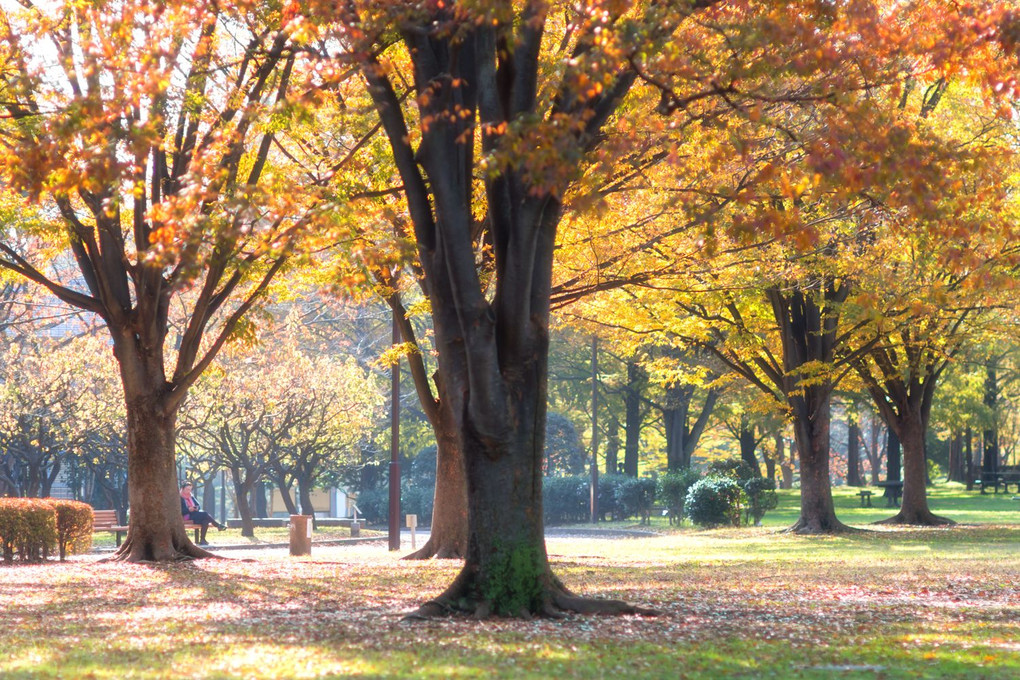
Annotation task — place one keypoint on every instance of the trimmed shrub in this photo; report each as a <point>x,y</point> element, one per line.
<point>28,527</point>
<point>760,497</point>
<point>74,526</point>
<point>714,501</point>
<point>566,499</point>
<point>672,491</point>
<point>634,498</point>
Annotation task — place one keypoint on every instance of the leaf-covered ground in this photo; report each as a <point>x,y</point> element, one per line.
<point>737,603</point>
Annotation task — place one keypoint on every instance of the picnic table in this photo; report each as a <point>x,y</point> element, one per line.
<point>1005,476</point>
<point>892,493</point>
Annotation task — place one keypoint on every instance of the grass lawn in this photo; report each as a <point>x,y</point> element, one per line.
<point>734,603</point>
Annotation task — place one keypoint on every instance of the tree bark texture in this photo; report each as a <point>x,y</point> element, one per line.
<point>808,317</point>
<point>491,322</point>
<point>449,531</point>
<point>902,383</point>
<point>156,528</point>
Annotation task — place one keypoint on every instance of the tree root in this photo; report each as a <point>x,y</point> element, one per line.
<point>555,602</point>
<point>145,552</point>
<point>815,527</point>
<point>920,519</point>
<point>437,549</point>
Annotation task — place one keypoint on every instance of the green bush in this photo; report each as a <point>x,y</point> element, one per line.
<point>74,526</point>
<point>672,491</point>
<point>734,468</point>
<point>634,498</point>
<point>374,505</point>
<point>759,497</point>
<point>416,500</point>
<point>566,499</point>
<point>28,528</point>
<point>714,501</point>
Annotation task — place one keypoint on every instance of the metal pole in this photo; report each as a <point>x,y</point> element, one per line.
<point>594,430</point>
<point>223,496</point>
<point>395,446</point>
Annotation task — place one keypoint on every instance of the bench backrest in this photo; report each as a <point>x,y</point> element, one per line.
<point>104,518</point>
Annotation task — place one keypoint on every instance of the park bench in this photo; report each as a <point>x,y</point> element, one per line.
<point>865,498</point>
<point>1005,476</point>
<point>106,520</point>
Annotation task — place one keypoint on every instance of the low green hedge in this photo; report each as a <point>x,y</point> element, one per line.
<point>32,528</point>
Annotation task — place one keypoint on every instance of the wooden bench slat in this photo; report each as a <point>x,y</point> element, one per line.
<point>106,520</point>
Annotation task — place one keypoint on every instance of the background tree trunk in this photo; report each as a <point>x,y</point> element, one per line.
<point>613,446</point>
<point>748,443</point>
<point>242,494</point>
<point>449,530</point>
<point>632,401</point>
<point>968,439</point>
<point>990,436</point>
<point>304,483</point>
<point>853,452</point>
<point>892,456</point>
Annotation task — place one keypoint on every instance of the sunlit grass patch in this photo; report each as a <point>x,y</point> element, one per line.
<point>738,603</point>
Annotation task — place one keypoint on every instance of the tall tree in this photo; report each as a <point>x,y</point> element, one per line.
<point>488,104</point>
<point>478,72</point>
<point>149,131</point>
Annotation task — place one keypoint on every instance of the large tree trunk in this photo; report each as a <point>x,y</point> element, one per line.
<point>808,318</point>
<point>914,505</point>
<point>811,429</point>
<point>156,532</point>
<point>491,325</point>
<point>506,569</point>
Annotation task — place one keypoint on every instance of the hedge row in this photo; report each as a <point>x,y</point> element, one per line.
<point>32,528</point>
<point>730,494</point>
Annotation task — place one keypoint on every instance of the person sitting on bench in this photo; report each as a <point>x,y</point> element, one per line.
<point>190,511</point>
